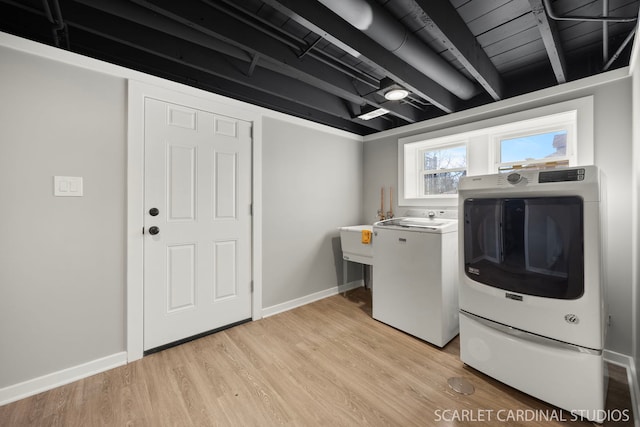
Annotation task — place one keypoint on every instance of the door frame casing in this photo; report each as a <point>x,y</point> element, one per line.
<point>194,98</point>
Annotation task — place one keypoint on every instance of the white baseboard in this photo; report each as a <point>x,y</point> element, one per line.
<point>298,302</point>
<point>634,390</point>
<point>56,379</point>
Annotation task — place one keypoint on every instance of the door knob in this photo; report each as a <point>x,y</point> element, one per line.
<point>154,211</point>
<point>154,230</point>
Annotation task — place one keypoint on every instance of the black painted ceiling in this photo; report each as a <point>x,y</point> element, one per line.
<point>304,58</point>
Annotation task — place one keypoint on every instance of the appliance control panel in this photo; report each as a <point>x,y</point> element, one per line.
<point>578,178</point>
<point>582,181</point>
<point>561,175</point>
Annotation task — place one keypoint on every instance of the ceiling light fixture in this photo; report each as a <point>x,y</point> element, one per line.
<point>373,114</point>
<point>396,94</point>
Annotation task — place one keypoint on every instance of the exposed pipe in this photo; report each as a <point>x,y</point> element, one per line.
<point>620,49</point>
<point>605,32</point>
<point>58,15</point>
<point>552,15</point>
<point>373,20</point>
<point>605,29</point>
<point>276,32</point>
<point>57,23</point>
<point>310,47</point>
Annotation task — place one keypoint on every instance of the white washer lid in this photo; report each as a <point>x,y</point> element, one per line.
<point>427,225</point>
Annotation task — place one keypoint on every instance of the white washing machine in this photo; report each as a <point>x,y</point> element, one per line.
<point>415,271</point>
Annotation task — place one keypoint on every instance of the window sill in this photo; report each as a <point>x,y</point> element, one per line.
<point>432,201</point>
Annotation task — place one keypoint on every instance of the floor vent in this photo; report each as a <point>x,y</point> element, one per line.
<point>461,385</point>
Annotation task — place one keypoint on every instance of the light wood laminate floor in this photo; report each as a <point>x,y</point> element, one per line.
<point>326,363</point>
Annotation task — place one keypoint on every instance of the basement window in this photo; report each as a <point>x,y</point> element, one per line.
<point>431,165</point>
<point>537,145</point>
<point>441,168</point>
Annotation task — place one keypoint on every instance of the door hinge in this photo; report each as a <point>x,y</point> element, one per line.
<point>142,230</point>
<point>251,209</point>
<point>252,286</point>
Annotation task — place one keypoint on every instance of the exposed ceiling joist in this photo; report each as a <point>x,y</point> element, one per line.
<point>141,60</point>
<point>378,23</point>
<point>444,23</point>
<point>308,69</point>
<point>210,62</point>
<point>330,61</point>
<point>191,33</point>
<point>327,24</point>
<point>551,40</point>
<point>149,19</point>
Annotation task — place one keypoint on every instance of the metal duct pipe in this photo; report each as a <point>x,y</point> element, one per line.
<point>375,22</point>
<point>552,15</point>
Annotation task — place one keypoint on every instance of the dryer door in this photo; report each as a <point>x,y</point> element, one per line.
<point>532,246</point>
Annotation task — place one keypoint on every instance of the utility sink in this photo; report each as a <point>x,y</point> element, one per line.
<point>352,247</point>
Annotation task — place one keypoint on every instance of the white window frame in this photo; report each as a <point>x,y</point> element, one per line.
<point>482,148</point>
<point>554,123</point>
<point>421,172</point>
<point>413,180</point>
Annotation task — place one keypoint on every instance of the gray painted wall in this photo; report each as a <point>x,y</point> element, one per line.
<point>613,150</point>
<point>312,185</point>
<point>61,259</point>
<point>636,211</point>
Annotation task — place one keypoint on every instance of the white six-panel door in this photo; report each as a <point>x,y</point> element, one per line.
<point>197,268</point>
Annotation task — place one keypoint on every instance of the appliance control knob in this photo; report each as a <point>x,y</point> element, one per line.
<point>514,178</point>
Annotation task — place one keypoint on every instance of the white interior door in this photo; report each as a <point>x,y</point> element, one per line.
<point>197,265</point>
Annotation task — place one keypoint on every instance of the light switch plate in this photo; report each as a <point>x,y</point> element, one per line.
<point>67,186</point>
